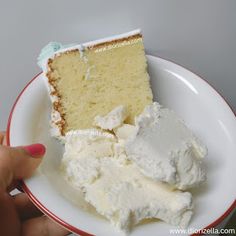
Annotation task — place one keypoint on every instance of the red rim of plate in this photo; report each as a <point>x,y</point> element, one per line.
<point>72,228</point>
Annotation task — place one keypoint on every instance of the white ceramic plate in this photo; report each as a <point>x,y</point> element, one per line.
<point>203,109</point>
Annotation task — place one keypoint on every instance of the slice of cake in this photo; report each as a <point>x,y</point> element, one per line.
<point>91,79</point>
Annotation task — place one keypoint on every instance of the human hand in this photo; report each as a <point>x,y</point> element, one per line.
<point>18,216</point>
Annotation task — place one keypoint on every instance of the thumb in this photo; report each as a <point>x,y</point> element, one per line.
<point>19,162</point>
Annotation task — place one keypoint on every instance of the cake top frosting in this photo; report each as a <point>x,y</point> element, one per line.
<point>54,48</point>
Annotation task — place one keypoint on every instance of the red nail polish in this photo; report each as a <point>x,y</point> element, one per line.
<point>35,149</point>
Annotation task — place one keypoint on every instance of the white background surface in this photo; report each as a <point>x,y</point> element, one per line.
<point>198,34</point>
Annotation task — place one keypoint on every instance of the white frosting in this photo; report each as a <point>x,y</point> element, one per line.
<point>123,195</point>
<point>113,119</point>
<point>133,174</point>
<point>124,131</point>
<point>111,38</point>
<point>95,163</point>
<point>55,115</point>
<point>83,46</point>
<point>165,149</point>
<point>87,75</point>
<point>88,145</point>
<point>43,63</point>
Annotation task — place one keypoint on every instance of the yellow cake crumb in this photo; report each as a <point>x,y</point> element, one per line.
<point>96,81</point>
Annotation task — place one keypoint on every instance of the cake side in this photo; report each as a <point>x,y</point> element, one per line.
<point>58,114</point>
<point>80,77</point>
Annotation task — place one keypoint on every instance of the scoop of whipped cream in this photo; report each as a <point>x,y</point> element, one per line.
<point>113,119</point>
<point>115,186</point>
<point>165,149</point>
<point>132,172</point>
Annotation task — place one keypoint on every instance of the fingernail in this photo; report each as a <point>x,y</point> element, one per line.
<point>35,149</point>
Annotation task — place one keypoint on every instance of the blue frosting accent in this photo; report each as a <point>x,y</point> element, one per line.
<point>49,50</point>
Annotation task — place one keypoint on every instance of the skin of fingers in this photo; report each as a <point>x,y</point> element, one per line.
<point>42,226</point>
<point>9,220</point>
<point>2,138</point>
<point>15,163</point>
<point>14,184</point>
<point>4,143</point>
<point>25,208</point>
